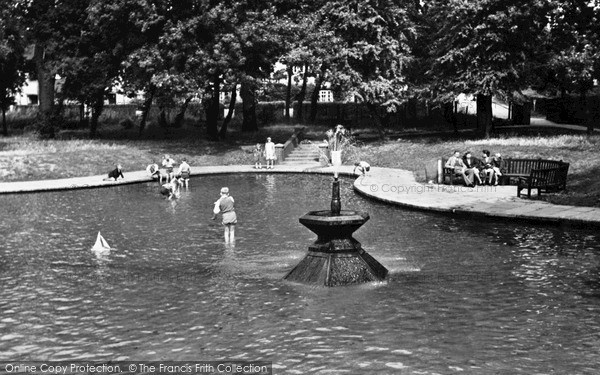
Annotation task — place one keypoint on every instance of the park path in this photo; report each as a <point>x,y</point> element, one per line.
<point>393,186</point>
<point>500,110</point>
<point>399,187</point>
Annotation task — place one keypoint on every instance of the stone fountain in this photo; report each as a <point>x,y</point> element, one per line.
<point>336,258</point>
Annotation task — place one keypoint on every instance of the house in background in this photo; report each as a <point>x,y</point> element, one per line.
<point>28,94</point>
<point>325,94</point>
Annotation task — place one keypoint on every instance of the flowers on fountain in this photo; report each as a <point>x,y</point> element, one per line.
<point>338,138</point>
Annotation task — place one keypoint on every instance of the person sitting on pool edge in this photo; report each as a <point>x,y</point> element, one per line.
<point>154,171</point>
<point>362,166</point>
<point>115,174</point>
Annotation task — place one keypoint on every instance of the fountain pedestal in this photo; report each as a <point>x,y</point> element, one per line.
<point>336,258</point>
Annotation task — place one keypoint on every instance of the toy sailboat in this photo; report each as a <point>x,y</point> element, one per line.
<point>101,245</point>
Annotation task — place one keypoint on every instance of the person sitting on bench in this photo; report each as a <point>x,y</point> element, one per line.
<point>472,165</point>
<point>499,166</point>
<point>488,171</point>
<point>456,163</point>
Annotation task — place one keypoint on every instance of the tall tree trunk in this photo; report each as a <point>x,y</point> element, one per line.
<point>97,107</point>
<point>162,117</point>
<point>484,114</point>
<point>314,97</point>
<point>377,118</point>
<point>181,114</point>
<point>521,113</point>
<point>46,93</point>
<point>82,118</point>
<point>563,107</point>
<point>4,125</point>
<point>147,106</point>
<point>248,94</point>
<point>302,95</point>
<point>588,117</point>
<point>212,109</point>
<point>450,114</point>
<point>288,92</point>
<point>227,119</point>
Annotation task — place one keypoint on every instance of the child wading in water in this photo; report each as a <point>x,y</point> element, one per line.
<point>224,205</point>
<point>172,189</point>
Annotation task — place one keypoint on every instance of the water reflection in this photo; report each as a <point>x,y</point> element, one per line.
<point>476,296</point>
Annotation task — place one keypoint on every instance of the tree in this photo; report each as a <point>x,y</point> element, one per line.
<point>157,65</point>
<point>260,31</point>
<point>109,33</point>
<point>314,49</point>
<point>53,28</point>
<point>375,36</point>
<point>208,53</point>
<point>11,59</point>
<point>572,52</point>
<point>485,47</point>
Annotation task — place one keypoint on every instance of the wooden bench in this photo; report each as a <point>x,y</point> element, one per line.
<point>547,180</point>
<point>512,171</point>
<point>517,168</point>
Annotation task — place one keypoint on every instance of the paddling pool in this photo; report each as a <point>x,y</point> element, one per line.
<point>463,295</point>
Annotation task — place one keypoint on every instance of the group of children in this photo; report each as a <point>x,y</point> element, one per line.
<point>484,171</point>
<point>173,181</point>
<point>268,154</point>
<point>172,189</point>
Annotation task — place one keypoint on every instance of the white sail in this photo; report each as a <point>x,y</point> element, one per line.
<point>101,244</point>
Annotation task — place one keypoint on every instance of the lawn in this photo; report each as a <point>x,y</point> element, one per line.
<point>25,157</point>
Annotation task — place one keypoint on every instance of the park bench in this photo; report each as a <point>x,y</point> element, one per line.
<point>517,168</point>
<point>514,170</point>
<point>547,180</point>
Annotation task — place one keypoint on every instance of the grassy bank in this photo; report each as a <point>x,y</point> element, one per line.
<point>24,157</point>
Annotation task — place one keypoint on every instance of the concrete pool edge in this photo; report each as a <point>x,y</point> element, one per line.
<point>388,185</point>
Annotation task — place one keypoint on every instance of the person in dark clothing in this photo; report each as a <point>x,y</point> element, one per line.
<point>472,165</point>
<point>487,167</point>
<point>499,166</point>
<point>115,174</point>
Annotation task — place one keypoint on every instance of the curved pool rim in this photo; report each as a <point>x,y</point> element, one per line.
<point>465,207</point>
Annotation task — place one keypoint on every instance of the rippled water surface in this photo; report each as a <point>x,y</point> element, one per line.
<point>463,295</point>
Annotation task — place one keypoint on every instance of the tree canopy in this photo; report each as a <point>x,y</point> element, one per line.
<point>378,52</point>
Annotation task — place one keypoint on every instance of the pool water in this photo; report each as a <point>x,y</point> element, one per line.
<point>462,295</point>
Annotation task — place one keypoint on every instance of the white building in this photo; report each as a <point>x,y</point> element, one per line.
<point>325,94</point>
<point>29,93</point>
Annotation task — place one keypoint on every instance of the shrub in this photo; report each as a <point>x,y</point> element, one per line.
<point>127,123</point>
